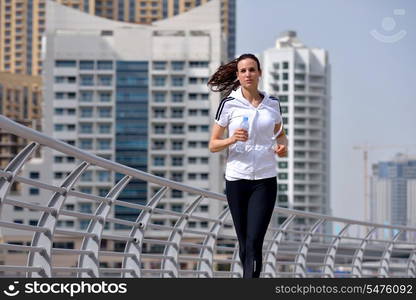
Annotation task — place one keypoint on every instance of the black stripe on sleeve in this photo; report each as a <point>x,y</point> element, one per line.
<point>221,106</point>
<point>278,102</point>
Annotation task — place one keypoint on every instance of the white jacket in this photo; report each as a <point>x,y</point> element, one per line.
<point>259,159</point>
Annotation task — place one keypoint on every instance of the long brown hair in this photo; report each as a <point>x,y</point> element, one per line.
<point>225,80</point>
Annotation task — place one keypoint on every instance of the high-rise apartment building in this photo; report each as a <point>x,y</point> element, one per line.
<point>300,77</point>
<point>145,107</point>
<point>22,24</point>
<point>393,191</point>
<point>20,100</point>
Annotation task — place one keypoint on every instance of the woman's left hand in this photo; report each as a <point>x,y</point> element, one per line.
<point>280,150</point>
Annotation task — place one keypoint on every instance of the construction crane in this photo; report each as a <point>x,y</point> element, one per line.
<point>365,149</point>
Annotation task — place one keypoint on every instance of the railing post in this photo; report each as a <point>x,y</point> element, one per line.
<point>135,246</point>
<point>357,262</point>
<point>13,168</point>
<point>385,259</point>
<point>171,253</point>
<point>207,253</point>
<point>411,264</point>
<point>97,227</point>
<point>48,220</point>
<point>271,256</point>
<point>329,261</point>
<point>300,261</point>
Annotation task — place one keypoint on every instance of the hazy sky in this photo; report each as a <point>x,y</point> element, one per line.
<point>373,82</point>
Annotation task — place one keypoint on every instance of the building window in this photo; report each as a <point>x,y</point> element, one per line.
<point>34,175</point>
<point>178,65</point>
<point>104,65</point>
<point>104,112</point>
<point>177,129</point>
<point>177,145</point>
<point>104,144</point>
<point>177,161</point>
<point>85,207</point>
<point>86,96</point>
<point>104,80</point>
<point>177,81</point>
<point>86,65</point>
<point>85,144</point>
<point>282,187</point>
<point>159,65</point>
<point>204,96</point>
<point>159,96</point>
<point>83,224</point>
<point>86,176</point>
<point>85,190</point>
<point>158,145</point>
<point>203,208</point>
<point>87,80</point>
<point>86,128</point>
<point>103,176</point>
<point>177,176</point>
<point>177,194</point>
<point>177,97</point>
<point>159,129</point>
<point>159,80</point>
<point>285,65</point>
<point>283,176</point>
<point>86,112</point>
<point>283,164</point>
<point>177,207</point>
<point>193,96</point>
<point>159,161</point>
<point>104,128</point>
<point>104,96</point>
<point>177,113</point>
<point>17,208</point>
<point>191,176</point>
<point>65,63</point>
<point>102,192</point>
<point>198,64</point>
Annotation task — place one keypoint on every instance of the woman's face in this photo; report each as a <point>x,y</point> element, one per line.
<point>248,73</point>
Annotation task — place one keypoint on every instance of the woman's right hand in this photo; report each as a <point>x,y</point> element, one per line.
<point>239,135</point>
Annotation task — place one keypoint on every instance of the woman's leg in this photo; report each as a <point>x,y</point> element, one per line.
<point>238,195</point>
<point>260,210</point>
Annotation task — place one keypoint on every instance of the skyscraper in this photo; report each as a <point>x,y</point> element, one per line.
<point>134,94</point>
<point>300,77</point>
<point>145,107</point>
<point>393,191</point>
<point>22,24</point>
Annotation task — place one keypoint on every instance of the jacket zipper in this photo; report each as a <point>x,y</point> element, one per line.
<point>254,146</point>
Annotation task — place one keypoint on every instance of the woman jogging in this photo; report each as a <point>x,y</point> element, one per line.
<point>251,171</point>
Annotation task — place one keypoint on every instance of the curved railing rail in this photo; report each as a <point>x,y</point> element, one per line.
<point>303,245</point>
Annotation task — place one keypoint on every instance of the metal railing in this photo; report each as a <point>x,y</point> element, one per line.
<point>297,244</point>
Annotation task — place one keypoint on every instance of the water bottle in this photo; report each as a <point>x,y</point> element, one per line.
<point>240,145</point>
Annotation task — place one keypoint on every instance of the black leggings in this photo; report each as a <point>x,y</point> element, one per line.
<point>251,204</point>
